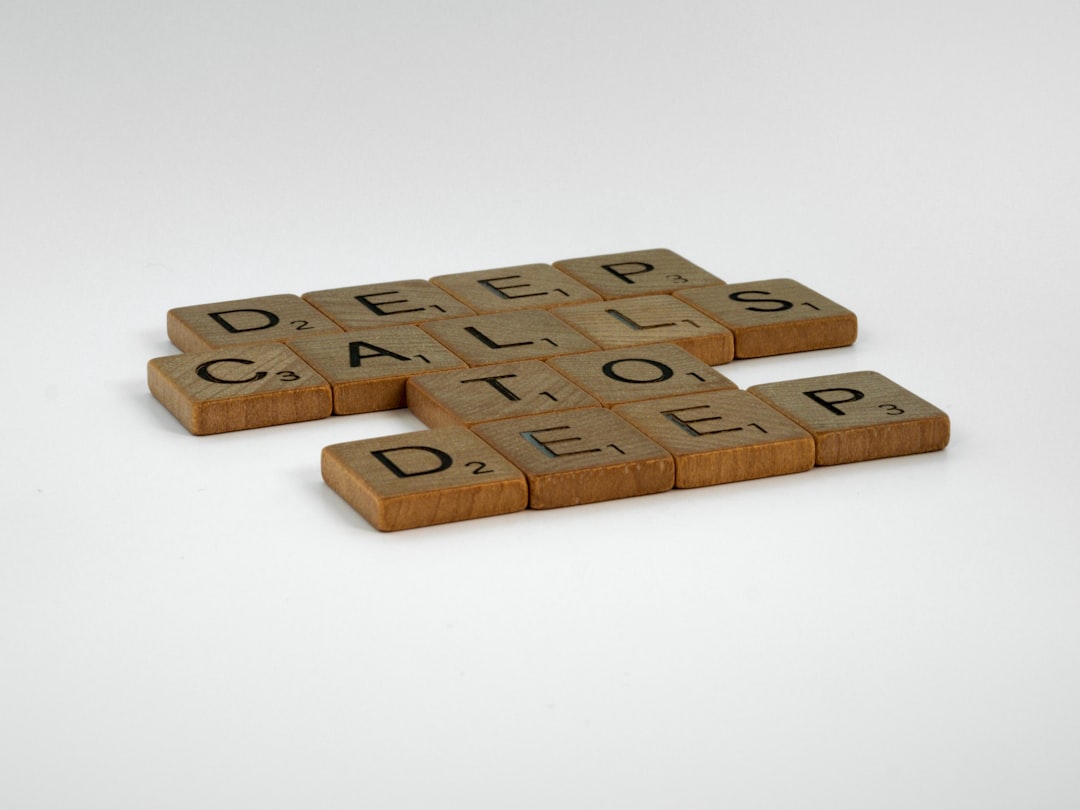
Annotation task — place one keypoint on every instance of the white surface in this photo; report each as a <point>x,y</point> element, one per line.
<point>200,622</point>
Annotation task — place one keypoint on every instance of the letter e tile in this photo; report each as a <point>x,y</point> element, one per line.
<point>858,416</point>
<point>583,456</point>
<point>390,303</point>
<point>722,436</point>
<point>423,478</point>
<point>651,319</point>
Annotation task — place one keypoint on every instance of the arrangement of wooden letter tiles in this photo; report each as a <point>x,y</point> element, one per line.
<point>543,385</point>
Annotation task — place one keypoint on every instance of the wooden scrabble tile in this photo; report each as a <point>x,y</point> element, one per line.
<point>423,478</point>
<point>858,416</point>
<point>583,456</point>
<point>651,319</point>
<point>639,272</point>
<point>239,387</point>
<point>530,334</point>
<point>777,316</point>
<point>642,372</point>
<point>529,286</point>
<point>391,303</point>
<point>367,369</point>
<point>492,392</point>
<point>267,319</point>
<point>722,436</point>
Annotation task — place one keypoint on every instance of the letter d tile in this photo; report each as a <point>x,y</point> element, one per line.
<point>423,478</point>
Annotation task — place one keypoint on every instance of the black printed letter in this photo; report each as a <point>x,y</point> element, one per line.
<point>643,267</point>
<point>204,371</point>
<point>444,460</point>
<point>355,358</point>
<point>832,403</point>
<point>271,320</point>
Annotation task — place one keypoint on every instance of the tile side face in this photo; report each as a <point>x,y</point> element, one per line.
<point>424,478</point>
<point>858,416</point>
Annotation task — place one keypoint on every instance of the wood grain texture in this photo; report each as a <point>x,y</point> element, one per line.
<point>722,436</point>
<point>776,316</point>
<point>483,340</point>
<point>423,478</point>
<point>391,303</point>
<point>367,369</point>
<point>265,319</point>
<point>502,391</point>
<point>582,456</point>
<point>642,372</point>
<point>858,416</point>
<point>651,319</point>
<point>505,289</point>
<point>239,388</point>
<point>637,272</point>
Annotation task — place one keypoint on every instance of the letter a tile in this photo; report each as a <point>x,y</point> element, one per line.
<point>722,436</point>
<point>583,456</point>
<point>775,317</point>
<point>266,319</point>
<point>238,388</point>
<point>423,478</point>
<point>368,368</point>
<point>858,416</point>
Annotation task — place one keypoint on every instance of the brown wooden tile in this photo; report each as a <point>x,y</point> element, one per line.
<point>238,388</point>
<point>391,303</point>
<point>651,319</point>
<point>776,316</point>
<point>492,392</point>
<point>722,436</point>
<point>266,319</point>
<point>582,456</point>
<point>423,478</point>
<point>368,368</point>
<point>858,416</point>
<point>643,372</point>
<point>533,334</point>
<point>529,286</point>
<point>638,272</point>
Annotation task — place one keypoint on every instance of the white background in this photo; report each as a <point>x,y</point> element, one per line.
<point>199,622</point>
